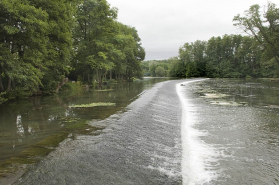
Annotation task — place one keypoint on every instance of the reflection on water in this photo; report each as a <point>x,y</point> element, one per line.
<point>25,123</point>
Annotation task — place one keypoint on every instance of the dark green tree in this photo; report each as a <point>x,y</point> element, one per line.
<point>23,41</point>
<point>93,39</point>
<point>59,47</point>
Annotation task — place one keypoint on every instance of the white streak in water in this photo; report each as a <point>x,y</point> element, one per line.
<point>196,154</point>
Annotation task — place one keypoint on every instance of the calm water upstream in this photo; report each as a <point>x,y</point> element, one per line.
<point>194,131</point>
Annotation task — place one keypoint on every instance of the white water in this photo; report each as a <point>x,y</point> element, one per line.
<point>197,155</point>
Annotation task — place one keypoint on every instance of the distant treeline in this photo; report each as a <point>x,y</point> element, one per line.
<point>42,42</point>
<point>229,56</point>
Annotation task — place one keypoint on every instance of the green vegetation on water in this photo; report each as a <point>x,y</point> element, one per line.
<point>104,90</point>
<point>99,104</point>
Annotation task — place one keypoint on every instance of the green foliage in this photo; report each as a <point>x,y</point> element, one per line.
<point>59,46</point>
<point>176,68</point>
<point>152,68</point>
<point>159,68</point>
<point>191,70</point>
<point>104,45</point>
<point>42,42</point>
<point>263,27</point>
<point>2,99</point>
<point>145,68</point>
<point>232,56</point>
<point>160,72</point>
<point>22,45</point>
<point>73,87</point>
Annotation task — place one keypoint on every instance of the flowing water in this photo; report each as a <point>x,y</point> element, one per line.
<point>232,131</point>
<point>31,128</point>
<point>195,131</point>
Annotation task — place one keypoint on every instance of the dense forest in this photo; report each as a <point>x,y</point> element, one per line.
<point>45,43</point>
<point>230,56</point>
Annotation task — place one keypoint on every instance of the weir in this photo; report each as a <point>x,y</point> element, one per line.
<point>140,145</point>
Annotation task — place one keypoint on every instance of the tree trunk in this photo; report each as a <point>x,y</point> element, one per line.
<point>1,84</point>
<point>110,75</point>
<point>9,84</point>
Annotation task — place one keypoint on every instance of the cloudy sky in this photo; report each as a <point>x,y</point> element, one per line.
<point>165,25</point>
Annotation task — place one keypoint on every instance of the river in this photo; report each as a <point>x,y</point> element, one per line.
<point>236,127</point>
<point>194,131</point>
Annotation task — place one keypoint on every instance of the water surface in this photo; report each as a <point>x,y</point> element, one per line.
<point>30,128</point>
<point>214,131</point>
<point>141,145</point>
<point>237,128</point>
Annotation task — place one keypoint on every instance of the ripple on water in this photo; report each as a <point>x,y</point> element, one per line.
<point>245,138</point>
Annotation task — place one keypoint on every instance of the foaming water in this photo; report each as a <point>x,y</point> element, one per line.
<point>197,156</point>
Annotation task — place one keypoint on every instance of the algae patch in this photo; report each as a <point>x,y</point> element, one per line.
<point>214,95</point>
<point>104,90</point>
<point>225,103</point>
<point>99,104</point>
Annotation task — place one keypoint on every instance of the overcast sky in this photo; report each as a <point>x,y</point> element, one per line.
<point>165,25</point>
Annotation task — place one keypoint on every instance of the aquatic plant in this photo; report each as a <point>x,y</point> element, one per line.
<point>104,90</point>
<point>211,95</point>
<point>99,104</point>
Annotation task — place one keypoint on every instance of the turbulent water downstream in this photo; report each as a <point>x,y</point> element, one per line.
<point>196,131</point>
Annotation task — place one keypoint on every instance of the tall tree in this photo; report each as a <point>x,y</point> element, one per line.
<point>93,37</point>
<point>262,26</point>
<point>23,30</point>
<point>192,57</point>
<point>60,20</point>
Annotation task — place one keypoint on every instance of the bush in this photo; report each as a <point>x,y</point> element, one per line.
<point>2,99</point>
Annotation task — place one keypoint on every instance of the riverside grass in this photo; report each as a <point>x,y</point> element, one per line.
<point>99,104</point>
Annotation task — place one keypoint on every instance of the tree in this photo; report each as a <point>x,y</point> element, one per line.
<point>23,30</point>
<point>93,39</point>
<point>192,57</point>
<point>152,68</point>
<point>262,26</point>
<point>134,53</point>
<point>60,21</point>
<point>176,67</point>
<point>160,72</point>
